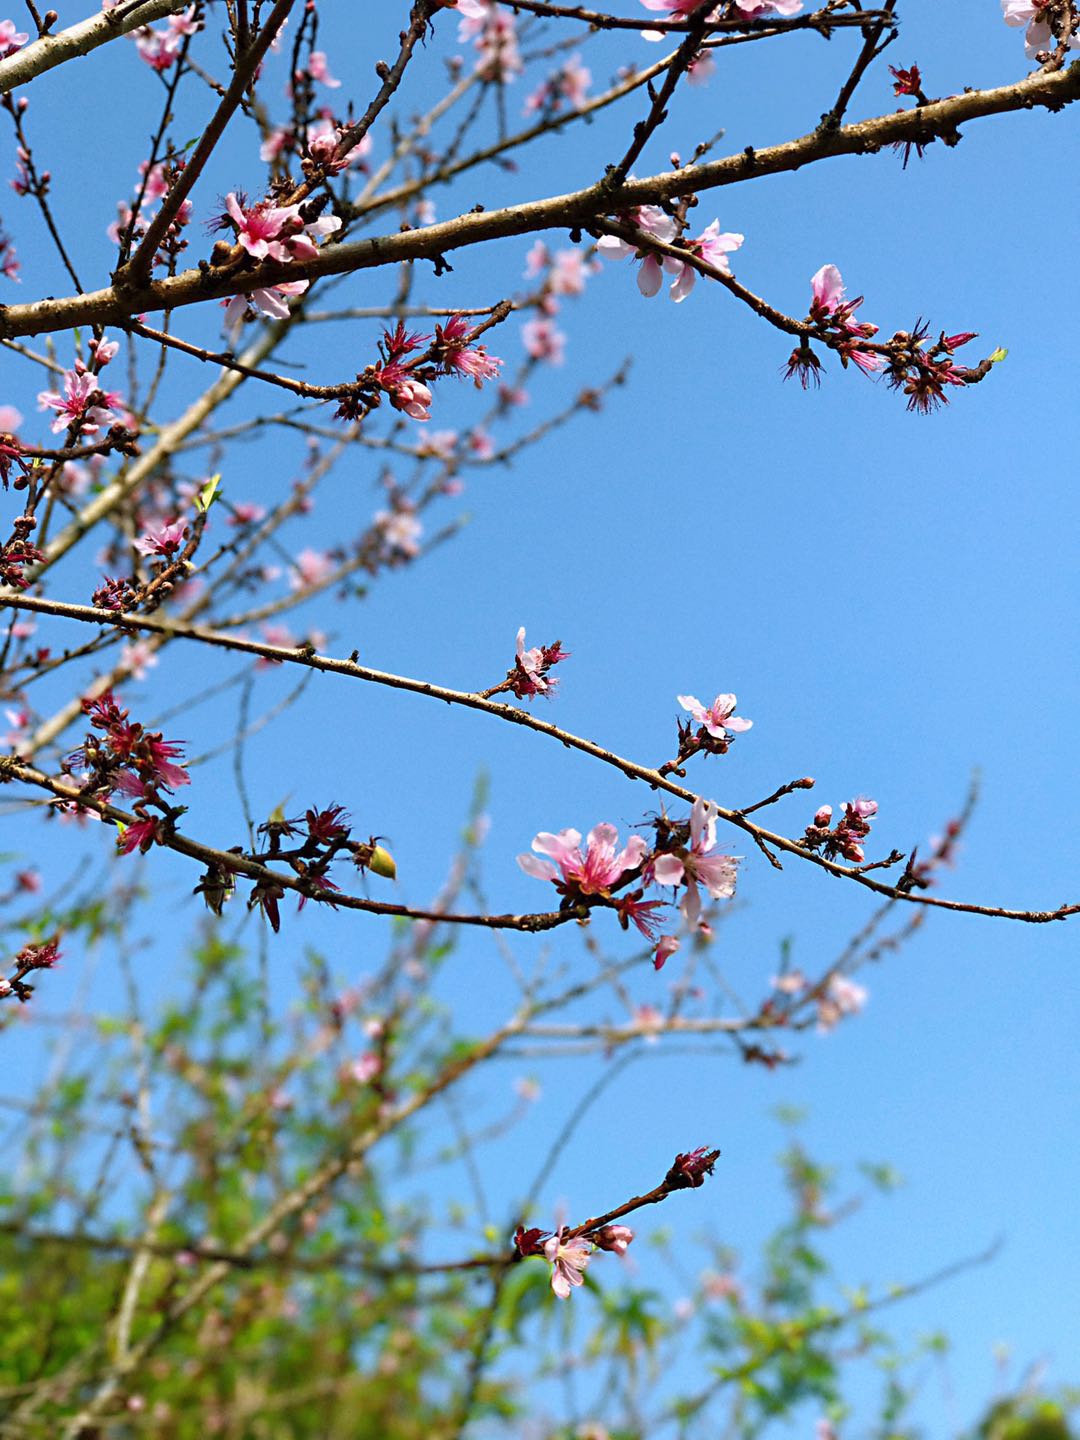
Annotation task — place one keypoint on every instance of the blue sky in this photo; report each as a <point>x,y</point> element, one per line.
<point>893,598</point>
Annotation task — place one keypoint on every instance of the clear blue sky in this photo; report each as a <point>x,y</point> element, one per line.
<point>893,599</point>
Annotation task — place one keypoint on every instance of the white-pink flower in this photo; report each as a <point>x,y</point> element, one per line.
<point>712,246</point>
<point>568,1261</point>
<point>590,874</point>
<point>270,302</point>
<point>719,718</point>
<point>698,866</point>
<point>164,541</point>
<point>653,221</point>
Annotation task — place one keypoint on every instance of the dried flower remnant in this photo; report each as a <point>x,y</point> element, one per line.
<point>690,1171</point>
<point>36,955</point>
<point>569,1260</point>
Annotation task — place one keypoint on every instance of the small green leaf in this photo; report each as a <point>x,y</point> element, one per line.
<point>998,355</point>
<point>208,494</point>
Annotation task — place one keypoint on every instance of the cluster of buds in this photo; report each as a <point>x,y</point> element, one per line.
<point>846,836</point>
<point>42,955</point>
<point>923,372</point>
<point>136,762</point>
<point>267,231</point>
<point>407,384</point>
<point>17,553</point>
<point>321,837</point>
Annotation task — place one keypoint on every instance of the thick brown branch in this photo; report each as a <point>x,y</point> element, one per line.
<point>53,50</point>
<point>1051,89</point>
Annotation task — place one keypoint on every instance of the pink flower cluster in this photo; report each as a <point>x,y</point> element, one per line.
<point>685,856</point>
<point>846,837</point>
<point>83,401</point>
<point>271,232</point>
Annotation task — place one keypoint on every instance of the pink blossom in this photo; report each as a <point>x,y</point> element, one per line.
<point>461,355</point>
<point>494,37</point>
<point>544,341</point>
<point>412,398</point>
<point>698,865</point>
<point>247,512</point>
<point>269,302</point>
<point>568,272</point>
<point>828,289</point>
<point>139,835</point>
<point>570,84</point>
<point>527,1089</point>
<point>537,259</point>
<point>591,874</point>
<point>568,1261</point>
<point>258,228</point>
<point>481,444</point>
<point>319,70</point>
<point>648,1019</point>
<point>718,718</point>
<point>82,401</point>
<point>11,39</point>
<point>311,567</point>
<point>165,541</point>
<point>711,246</point>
